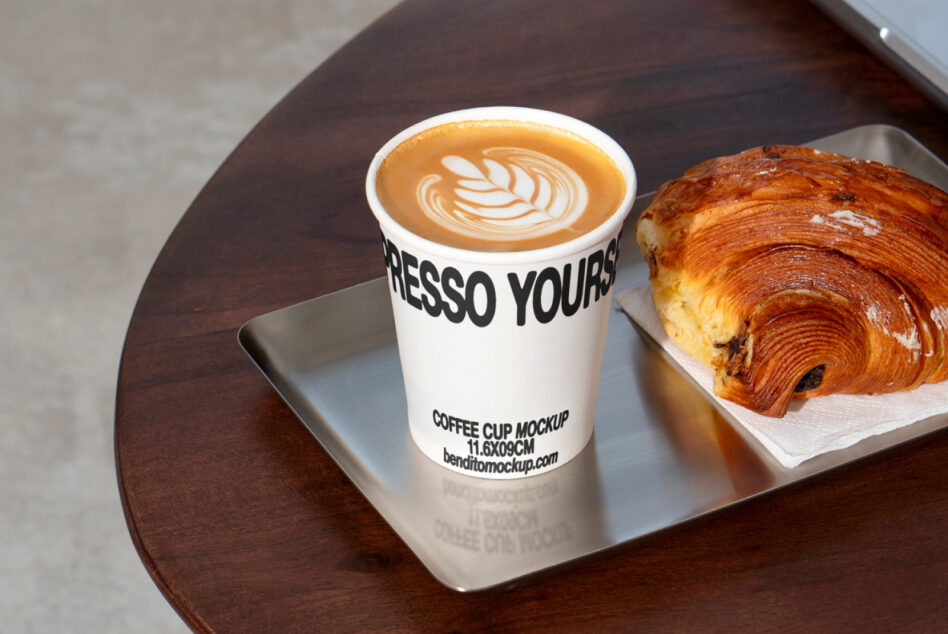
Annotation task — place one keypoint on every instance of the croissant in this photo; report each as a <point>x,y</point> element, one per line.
<point>792,272</point>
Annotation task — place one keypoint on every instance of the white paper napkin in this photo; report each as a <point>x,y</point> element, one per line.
<point>812,426</point>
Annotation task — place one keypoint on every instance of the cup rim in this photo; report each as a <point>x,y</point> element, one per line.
<point>511,113</point>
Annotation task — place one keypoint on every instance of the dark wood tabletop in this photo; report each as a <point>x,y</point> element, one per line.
<point>246,524</point>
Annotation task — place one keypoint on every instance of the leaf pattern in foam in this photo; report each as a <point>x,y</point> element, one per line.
<point>514,192</point>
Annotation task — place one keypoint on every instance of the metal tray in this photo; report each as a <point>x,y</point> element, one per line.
<point>661,454</point>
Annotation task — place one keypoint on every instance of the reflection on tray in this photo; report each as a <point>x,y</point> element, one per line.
<point>698,431</point>
<point>481,525</point>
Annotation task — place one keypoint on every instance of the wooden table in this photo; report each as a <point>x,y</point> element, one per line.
<point>246,524</point>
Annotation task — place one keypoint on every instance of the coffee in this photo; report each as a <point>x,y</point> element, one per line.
<point>501,340</point>
<point>499,185</point>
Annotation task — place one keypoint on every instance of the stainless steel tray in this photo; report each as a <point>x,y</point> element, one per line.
<point>661,453</point>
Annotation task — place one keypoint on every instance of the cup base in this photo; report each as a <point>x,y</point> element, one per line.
<point>503,468</point>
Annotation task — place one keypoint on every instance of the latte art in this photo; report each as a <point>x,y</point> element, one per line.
<point>498,185</point>
<point>508,191</point>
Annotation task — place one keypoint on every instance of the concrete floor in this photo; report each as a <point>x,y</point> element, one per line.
<point>113,114</point>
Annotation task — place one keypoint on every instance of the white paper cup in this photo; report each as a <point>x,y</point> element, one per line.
<point>500,379</point>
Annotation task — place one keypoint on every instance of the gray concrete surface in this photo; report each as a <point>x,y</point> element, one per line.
<point>113,114</point>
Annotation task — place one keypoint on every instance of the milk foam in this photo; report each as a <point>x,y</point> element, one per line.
<point>506,192</point>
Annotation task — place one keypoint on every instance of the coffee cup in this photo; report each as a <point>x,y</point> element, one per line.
<point>501,229</point>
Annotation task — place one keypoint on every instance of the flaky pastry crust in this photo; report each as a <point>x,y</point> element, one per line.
<point>794,272</point>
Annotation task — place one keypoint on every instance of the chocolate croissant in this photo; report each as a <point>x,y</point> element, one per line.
<point>792,272</point>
